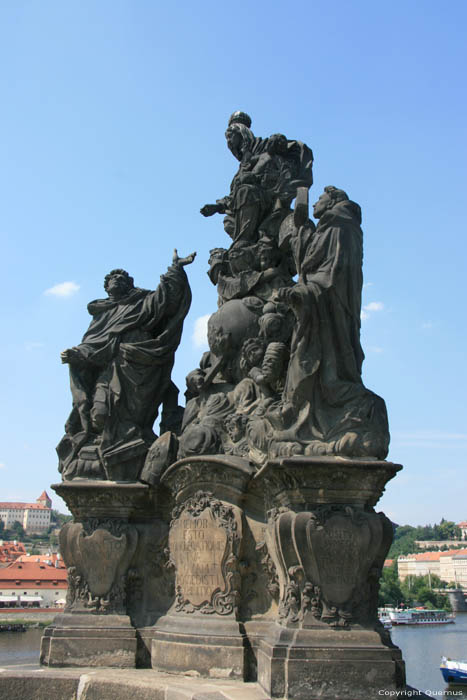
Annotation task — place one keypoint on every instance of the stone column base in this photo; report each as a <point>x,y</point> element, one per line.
<point>89,640</point>
<point>199,647</point>
<point>303,664</point>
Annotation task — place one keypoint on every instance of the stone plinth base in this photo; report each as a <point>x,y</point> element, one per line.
<point>89,640</point>
<point>199,647</point>
<point>339,665</point>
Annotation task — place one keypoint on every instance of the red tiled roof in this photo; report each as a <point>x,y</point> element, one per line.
<point>41,559</point>
<point>44,494</point>
<point>9,551</point>
<point>451,552</point>
<point>23,506</point>
<point>32,572</point>
<point>462,524</point>
<point>388,562</point>
<point>428,556</point>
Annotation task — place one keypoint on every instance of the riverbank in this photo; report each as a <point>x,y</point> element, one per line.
<point>41,617</point>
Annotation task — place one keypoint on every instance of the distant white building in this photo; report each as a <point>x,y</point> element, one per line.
<point>463,529</point>
<point>34,517</point>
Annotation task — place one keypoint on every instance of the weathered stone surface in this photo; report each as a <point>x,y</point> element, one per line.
<point>120,684</point>
<point>283,373</point>
<point>326,664</point>
<point>115,552</point>
<point>198,545</point>
<point>120,375</point>
<point>208,648</point>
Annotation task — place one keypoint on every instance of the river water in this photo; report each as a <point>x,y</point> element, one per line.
<point>422,648</point>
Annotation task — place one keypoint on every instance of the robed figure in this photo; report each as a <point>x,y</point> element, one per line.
<point>120,373</point>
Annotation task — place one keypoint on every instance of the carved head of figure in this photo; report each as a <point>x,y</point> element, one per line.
<point>239,117</point>
<point>118,283</point>
<point>194,383</point>
<point>239,139</point>
<point>277,144</point>
<point>251,354</point>
<point>272,327</point>
<point>236,425</point>
<point>330,197</point>
<point>267,255</point>
<point>217,263</point>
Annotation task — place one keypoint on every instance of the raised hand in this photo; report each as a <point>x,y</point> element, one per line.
<point>183,261</point>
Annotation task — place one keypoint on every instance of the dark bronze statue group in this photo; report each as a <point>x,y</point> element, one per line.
<point>282,376</point>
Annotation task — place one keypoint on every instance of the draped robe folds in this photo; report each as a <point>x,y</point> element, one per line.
<point>254,190</point>
<point>324,383</point>
<point>128,354</point>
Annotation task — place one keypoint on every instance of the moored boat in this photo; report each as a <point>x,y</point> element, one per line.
<point>454,671</point>
<point>420,616</point>
<point>383,616</point>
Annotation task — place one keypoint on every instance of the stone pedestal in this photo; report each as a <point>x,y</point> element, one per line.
<point>328,546</point>
<point>101,549</point>
<point>202,633</point>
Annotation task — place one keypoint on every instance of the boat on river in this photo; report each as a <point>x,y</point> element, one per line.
<point>420,616</point>
<point>383,616</point>
<point>454,671</point>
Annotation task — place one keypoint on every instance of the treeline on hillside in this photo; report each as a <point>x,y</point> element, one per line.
<point>415,590</point>
<point>405,536</point>
<point>16,531</point>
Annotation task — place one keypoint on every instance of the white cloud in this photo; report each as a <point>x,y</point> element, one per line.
<point>367,284</point>
<point>374,348</point>
<point>427,324</point>
<point>2,465</point>
<point>64,289</point>
<point>200,331</point>
<point>374,306</point>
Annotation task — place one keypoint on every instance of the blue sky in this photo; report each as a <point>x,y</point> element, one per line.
<point>112,138</point>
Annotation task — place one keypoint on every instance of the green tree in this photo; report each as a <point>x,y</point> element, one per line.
<point>17,530</point>
<point>389,589</point>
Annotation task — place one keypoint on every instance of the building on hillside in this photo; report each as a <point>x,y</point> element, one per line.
<point>437,544</point>
<point>463,528</point>
<point>388,563</point>
<point>453,567</point>
<point>33,581</point>
<point>10,552</point>
<point>34,517</point>
<point>418,564</point>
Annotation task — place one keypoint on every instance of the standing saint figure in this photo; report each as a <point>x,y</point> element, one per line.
<point>325,403</point>
<point>120,373</point>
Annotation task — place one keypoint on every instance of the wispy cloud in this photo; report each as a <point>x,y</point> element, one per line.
<point>367,284</point>
<point>427,324</point>
<point>374,306</point>
<point>64,289</point>
<point>374,348</point>
<point>34,345</point>
<point>200,331</point>
<point>370,308</point>
<point>2,465</point>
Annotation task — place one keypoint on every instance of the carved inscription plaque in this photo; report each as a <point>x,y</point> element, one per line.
<point>198,545</point>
